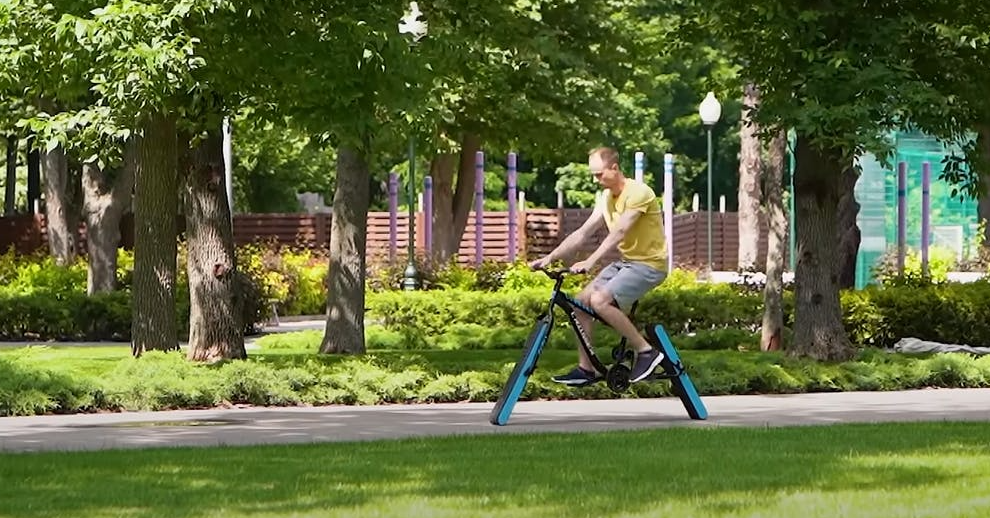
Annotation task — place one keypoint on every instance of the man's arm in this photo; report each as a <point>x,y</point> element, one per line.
<point>614,237</point>
<point>567,246</point>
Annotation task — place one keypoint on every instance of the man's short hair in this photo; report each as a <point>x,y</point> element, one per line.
<point>608,155</point>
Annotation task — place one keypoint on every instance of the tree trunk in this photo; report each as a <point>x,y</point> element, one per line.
<point>983,204</point>
<point>848,236</point>
<point>773,291</point>
<point>464,193</point>
<point>750,166</point>
<point>444,243</point>
<point>61,213</point>
<point>106,197</point>
<point>153,325</point>
<point>818,329</point>
<point>10,185</point>
<point>344,332</point>
<point>216,328</point>
<point>452,202</point>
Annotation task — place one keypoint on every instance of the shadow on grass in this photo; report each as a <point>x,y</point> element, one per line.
<point>720,471</point>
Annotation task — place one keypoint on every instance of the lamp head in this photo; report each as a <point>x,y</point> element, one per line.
<point>710,110</point>
<point>411,24</point>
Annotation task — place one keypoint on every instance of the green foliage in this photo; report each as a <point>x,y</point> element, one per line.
<point>159,381</point>
<point>294,279</point>
<point>702,306</point>
<point>577,184</point>
<point>30,384</point>
<point>274,162</point>
<point>45,301</point>
<point>940,262</point>
<point>947,313</point>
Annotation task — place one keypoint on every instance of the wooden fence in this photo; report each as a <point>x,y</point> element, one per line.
<point>538,232</point>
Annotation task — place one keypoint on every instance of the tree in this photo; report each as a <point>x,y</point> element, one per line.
<point>34,73</point>
<point>954,54</point>
<point>836,72</point>
<point>363,98</point>
<point>152,78</point>
<point>546,79</point>
<point>107,191</point>
<point>216,327</point>
<point>773,201</point>
<point>750,170</point>
<point>274,160</point>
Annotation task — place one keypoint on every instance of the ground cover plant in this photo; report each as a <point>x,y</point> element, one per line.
<point>38,380</point>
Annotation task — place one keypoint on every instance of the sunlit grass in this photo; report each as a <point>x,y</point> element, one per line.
<point>857,471</point>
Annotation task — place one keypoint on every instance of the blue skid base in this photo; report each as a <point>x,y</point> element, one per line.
<point>520,374</point>
<point>674,370</point>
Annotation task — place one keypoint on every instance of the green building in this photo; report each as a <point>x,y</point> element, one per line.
<point>953,221</point>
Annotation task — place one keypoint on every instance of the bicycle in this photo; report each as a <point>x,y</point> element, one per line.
<point>616,375</point>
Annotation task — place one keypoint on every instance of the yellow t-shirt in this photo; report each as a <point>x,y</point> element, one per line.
<point>644,242</point>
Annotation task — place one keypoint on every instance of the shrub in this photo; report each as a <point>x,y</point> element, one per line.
<point>948,313</point>
<point>293,279</point>
<point>29,387</point>
<point>941,261</point>
<point>157,381</point>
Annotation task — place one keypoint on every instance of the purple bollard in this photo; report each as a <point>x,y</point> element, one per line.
<point>901,215</point>
<point>479,203</point>
<point>393,214</point>
<point>512,207</point>
<point>428,214</point>
<point>926,202</point>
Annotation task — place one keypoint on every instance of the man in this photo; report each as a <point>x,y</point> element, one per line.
<point>631,212</point>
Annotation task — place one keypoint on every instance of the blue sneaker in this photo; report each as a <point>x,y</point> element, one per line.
<point>646,362</point>
<point>578,377</point>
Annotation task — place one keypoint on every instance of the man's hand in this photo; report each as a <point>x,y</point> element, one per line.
<point>540,263</point>
<point>583,266</point>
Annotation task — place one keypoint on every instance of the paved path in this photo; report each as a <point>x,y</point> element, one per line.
<point>239,426</point>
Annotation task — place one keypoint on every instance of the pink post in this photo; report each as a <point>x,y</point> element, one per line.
<point>512,207</point>
<point>926,203</point>
<point>393,214</point>
<point>479,203</point>
<point>901,215</point>
<point>428,213</point>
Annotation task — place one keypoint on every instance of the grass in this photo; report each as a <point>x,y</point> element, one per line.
<point>98,360</point>
<point>853,471</point>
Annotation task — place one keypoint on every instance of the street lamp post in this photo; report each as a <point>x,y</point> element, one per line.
<point>417,28</point>
<point>409,276</point>
<point>710,111</point>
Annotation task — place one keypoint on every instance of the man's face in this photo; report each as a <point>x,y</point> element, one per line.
<point>606,176</point>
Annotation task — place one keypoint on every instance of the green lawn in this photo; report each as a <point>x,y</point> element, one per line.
<point>850,471</point>
<point>98,360</point>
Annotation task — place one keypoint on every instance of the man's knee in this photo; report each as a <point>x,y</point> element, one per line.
<point>600,299</point>
<point>586,294</point>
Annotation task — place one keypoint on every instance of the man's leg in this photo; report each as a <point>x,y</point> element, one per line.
<point>602,303</point>
<point>632,282</point>
<point>585,372</point>
<point>587,322</point>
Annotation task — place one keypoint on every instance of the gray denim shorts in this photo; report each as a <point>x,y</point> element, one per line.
<point>627,281</point>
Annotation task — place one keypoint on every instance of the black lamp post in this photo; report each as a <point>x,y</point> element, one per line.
<point>710,111</point>
<point>411,24</point>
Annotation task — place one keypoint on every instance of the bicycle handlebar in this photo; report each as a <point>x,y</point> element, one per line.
<point>556,274</point>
